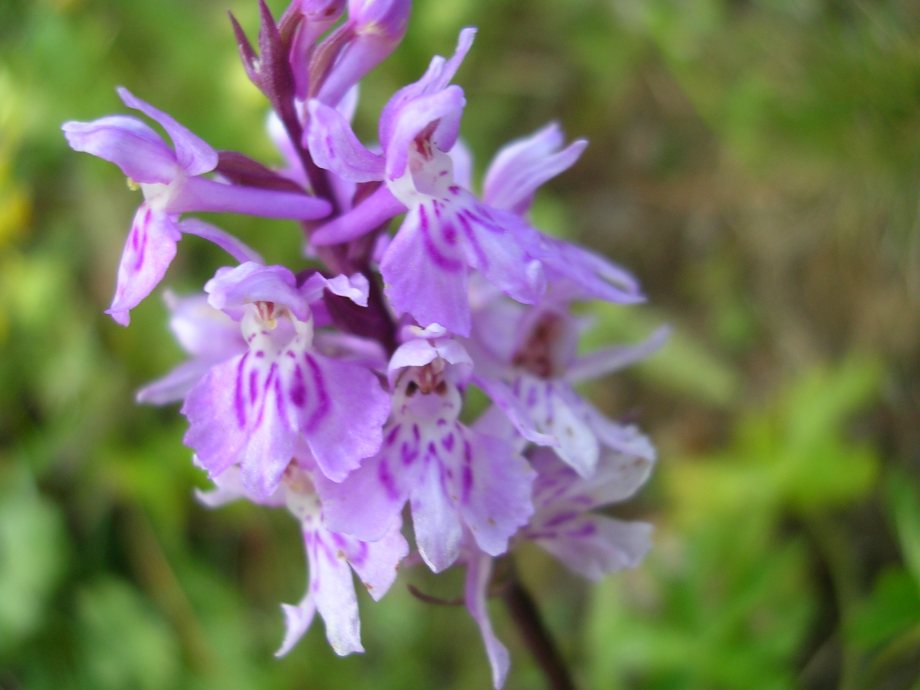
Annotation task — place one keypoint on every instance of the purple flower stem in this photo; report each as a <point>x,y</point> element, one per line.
<point>536,637</point>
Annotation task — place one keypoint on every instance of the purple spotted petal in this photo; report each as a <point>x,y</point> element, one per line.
<point>127,142</point>
<point>425,272</point>
<point>376,563</point>
<point>370,499</point>
<point>595,545</point>
<point>149,249</point>
<point>334,592</point>
<point>523,165</point>
<point>193,154</point>
<point>438,530</point>
<point>343,420</point>
<point>478,576</point>
<point>494,492</point>
<point>335,147</point>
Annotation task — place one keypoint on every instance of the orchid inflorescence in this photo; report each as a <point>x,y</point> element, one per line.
<point>336,391</point>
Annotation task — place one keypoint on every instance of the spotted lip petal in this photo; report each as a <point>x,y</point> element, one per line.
<point>149,249</point>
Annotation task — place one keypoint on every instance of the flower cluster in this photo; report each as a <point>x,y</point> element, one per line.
<point>336,389</point>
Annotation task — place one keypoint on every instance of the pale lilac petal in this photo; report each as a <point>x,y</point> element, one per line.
<point>199,194</point>
<point>229,489</point>
<point>515,410</point>
<point>444,107</point>
<point>368,501</point>
<point>478,576</point>
<point>462,158</point>
<point>194,155</point>
<point>425,273</point>
<point>335,147</point>
<point>370,214</point>
<point>271,443</point>
<point>421,351</point>
<point>297,620</point>
<point>175,385</point>
<point>524,165</point>
<point>624,438</point>
<point>587,273</point>
<point>354,287</point>
<point>495,248</point>
<point>232,288</point>
<point>596,545</point>
<point>611,359</point>
<point>216,411</point>
<point>149,249</point>
<point>438,531</point>
<point>438,75</point>
<point>346,422</point>
<point>127,142</point>
<point>202,331</point>
<point>333,590</point>
<point>495,489</point>
<point>236,248</point>
<point>377,563</point>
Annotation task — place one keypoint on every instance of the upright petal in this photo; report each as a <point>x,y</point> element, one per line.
<point>335,147</point>
<point>195,156</point>
<point>523,165</point>
<point>127,142</point>
<point>149,249</point>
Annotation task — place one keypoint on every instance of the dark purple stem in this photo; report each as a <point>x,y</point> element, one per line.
<point>526,617</point>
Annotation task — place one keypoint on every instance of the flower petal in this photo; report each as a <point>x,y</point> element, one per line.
<point>438,531</point>
<point>149,249</point>
<point>335,147</point>
<point>377,562</point>
<point>369,215</point>
<point>127,142</point>
<point>595,545</point>
<point>333,591</point>
<point>345,425</point>
<point>523,165</point>
<point>236,248</point>
<point>602,362</point>
<point>297,620</point>
<point>478,576</point>
<point>199,194</point>
<point>194,155</point>
<point>426,275</point>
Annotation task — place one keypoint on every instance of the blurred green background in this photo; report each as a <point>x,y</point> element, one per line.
<point>755,162</point>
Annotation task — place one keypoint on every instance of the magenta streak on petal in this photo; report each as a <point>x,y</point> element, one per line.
<point>443,262</point>
<point>588,529</point>
<point>322,395</point>
<point>545,534</point>
<point>391,437</point>
<point>269,382</point>
<point>386,479</point>
<point>253,385</point>
<point>279,398</point>
<point>416,434</point>
<point>481,257</point>
<point>467,451</point>
<point>298,390</point>
<point>139,240</point>
<point>448,442</point>
<point>467,487</point>
<point>432,450</point>
<point>238,402</point>
<point>360,555</point>
<point>408,452</point>
<point>561,518</point>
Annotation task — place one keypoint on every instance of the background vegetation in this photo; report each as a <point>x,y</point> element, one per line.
<point>756,162</point>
